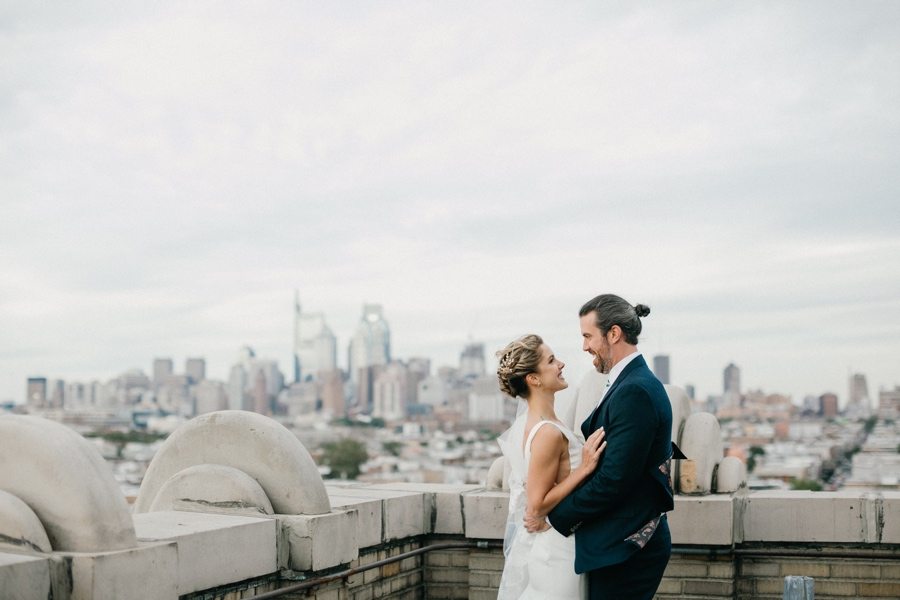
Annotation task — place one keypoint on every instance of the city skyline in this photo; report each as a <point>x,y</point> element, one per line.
<point>730,372</point>
<point>169,175</point>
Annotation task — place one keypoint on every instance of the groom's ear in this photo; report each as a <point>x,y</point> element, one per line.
<point>616,334</point>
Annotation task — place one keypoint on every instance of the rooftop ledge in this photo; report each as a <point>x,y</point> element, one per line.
<point>232,506</point>
<point>201,554</point>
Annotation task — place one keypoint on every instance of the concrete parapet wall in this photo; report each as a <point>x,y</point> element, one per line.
<point>738,545</point>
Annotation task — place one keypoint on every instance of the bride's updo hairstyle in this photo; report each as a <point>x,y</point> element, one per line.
<point>518,359</point>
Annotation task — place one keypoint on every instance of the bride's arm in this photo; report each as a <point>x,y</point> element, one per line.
<point>549,444</point>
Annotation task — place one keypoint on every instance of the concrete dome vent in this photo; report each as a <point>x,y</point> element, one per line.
<point>250,443</point>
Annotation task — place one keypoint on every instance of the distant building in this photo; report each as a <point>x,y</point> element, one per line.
<point>261,403</point>
<point>829,404</point>
<point>485,401</point>
<point>315,346</point>
<point>858,403</point>
<point>57,391</point>
<point>36,393</point>
<point>390,393</point>
<point>195,369</point>
<point>210,396</point>
<point>731,388</point>
<point>889,402</point>
<point>334,400</point>
<point>371,344</point>
<point>471,361</point>
<point>162,368</point>
<point>237,388</point>
<point>242,391</point>
<point>661,367</point>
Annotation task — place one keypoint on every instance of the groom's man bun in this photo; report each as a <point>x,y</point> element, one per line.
<point>610,310</point>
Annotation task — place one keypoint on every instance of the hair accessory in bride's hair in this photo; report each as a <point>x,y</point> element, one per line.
<point>507,363</point>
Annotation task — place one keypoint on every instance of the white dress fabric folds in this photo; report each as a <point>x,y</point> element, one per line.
<point>537,565</point>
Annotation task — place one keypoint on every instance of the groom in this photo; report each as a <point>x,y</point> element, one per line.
<point>618,514</point>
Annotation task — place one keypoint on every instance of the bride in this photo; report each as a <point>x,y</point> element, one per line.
<point>544,453</point>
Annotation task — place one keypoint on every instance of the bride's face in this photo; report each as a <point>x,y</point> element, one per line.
<point>550,371</point>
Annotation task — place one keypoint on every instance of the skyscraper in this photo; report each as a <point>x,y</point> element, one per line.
<point>371,344</point>
<point>858,403</point>
<point>315,346</point>
<point>731,389</point>
<point>195,369</point>
<point>162,368</point>
<point>661,367</point>
<point>36,393</point>
<point>471,361</point>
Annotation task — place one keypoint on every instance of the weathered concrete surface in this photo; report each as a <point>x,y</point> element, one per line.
<point>485,514</point>
<point>24,577</point>
<point>779,516</point>
<point>731,475</point>
<point>370,530</point>
<point>65,481</point>
<point>213,488</point>
<point>257,445</point>
<point>20,528</point>
<point>207,543</point>
<point>317,542</point>
<point>148,572</point>
<point>446,500</point>
<point>404,514</point>
<point>681,410</point>
<point>498,475</point>
<point>704,520</point>
<point>701,442</point>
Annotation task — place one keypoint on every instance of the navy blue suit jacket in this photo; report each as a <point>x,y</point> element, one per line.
<point>632,485</point>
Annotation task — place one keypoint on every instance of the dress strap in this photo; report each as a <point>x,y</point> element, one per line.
<point>533,431</point>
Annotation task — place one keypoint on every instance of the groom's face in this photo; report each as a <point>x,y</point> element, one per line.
<point>595,343</point>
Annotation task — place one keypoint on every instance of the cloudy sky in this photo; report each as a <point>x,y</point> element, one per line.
<point>170,174</point>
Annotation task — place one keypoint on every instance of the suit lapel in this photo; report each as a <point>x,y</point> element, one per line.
<point>590,424</point>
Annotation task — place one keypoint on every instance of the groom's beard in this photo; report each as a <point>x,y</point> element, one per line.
<point>603,366</point>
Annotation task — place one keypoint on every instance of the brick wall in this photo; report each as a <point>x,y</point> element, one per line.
<point>762,578</point>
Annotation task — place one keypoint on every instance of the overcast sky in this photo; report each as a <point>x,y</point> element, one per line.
<point>170,174</point>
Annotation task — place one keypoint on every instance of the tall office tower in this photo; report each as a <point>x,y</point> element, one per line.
<point>75,396</point>
<point>829,404</point>
<point>334,400</point>
<point>57,392</point>
<point>260,396</point>
<point>36,393</point>
<point>418,368</point>
<point>390,392</point>
<point>858,404</point>
<point>315,346</point>
<point>371,344</point>
<point>195,369</point>
<point>237,388</point>
<point>661,367</point>
<point>162,368</point>
<point>471,361</point>
<point>731,389</point>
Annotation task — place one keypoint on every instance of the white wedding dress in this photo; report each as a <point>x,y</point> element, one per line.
<point>538,565</point>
